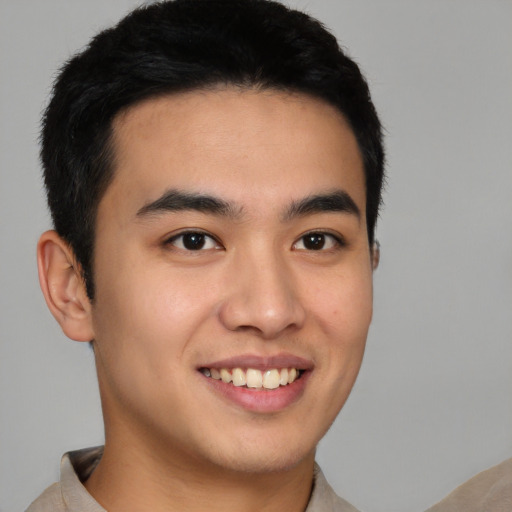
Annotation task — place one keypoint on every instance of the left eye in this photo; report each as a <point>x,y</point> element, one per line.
<point>193,241</point>
<point>317,241</point>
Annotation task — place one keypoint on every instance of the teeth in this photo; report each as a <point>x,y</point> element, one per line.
<point>225,375</point>
<point>239,377</point>
<point>252,378</point>
<point>271,379</point>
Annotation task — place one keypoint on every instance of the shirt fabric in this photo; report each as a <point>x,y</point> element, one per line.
<point>69,494</point>
<point>489,491</point>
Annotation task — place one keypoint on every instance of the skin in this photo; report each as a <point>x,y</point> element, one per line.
<point>161,311</point>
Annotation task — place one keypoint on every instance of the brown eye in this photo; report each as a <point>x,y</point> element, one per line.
<point>193,241</point>
<point>317,241</point>
<point>314,241</point>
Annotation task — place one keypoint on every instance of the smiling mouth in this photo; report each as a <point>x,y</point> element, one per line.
<point>252,378</point>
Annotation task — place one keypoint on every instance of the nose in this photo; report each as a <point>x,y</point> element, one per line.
<point>262,298</point>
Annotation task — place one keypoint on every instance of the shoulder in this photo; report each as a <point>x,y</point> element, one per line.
<point>489,490</point>
<point>49,501</point>
<point>69,494</point>
<point>324,499</point>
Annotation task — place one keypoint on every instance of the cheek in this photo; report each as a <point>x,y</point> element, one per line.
<point>343,315</point>
<point>343,311</point>
<point>144,315</point>
<point>144,322</point>
<point>343,306</point>
<point>347,327</point>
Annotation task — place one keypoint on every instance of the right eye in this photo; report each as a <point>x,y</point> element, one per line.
<point>193,241</point>
<point>319,241</point>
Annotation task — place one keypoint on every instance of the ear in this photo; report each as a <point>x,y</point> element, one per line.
<point>375,255</point>
<point>63,287</point>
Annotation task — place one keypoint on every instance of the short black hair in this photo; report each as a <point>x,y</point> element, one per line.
<point>183,45</point>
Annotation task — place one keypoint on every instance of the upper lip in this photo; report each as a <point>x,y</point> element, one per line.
<point>282,360</point>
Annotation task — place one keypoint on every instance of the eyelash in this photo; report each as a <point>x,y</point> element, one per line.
<point>205,236</point>
<point>337,241</point>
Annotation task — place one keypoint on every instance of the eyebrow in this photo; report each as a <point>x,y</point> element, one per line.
<point>336,201</point>
<point>175,201</point>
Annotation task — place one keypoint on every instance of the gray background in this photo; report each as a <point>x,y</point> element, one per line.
<point>432,405</point>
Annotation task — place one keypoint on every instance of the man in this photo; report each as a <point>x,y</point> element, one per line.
<point>214,173</point>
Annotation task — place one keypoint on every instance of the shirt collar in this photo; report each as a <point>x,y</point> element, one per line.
<point>77,466</point>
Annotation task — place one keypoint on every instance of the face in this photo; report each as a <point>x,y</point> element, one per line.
<point>233,277</point>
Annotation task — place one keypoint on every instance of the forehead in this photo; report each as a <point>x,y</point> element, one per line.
<point>230,141</point>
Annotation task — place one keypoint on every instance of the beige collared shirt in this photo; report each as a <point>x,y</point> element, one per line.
<point>69,494</point>
<point>489,491</point>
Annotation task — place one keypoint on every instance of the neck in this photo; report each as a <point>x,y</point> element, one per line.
<point>132,478</point>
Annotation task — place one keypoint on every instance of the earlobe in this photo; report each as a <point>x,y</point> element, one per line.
<point>375,254</point>
<point>63,287</point>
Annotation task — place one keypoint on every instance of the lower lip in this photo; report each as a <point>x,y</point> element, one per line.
<point>260,400</point>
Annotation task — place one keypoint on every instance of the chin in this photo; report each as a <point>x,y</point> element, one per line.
<point>271,464</point>
<point>257,459</point>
